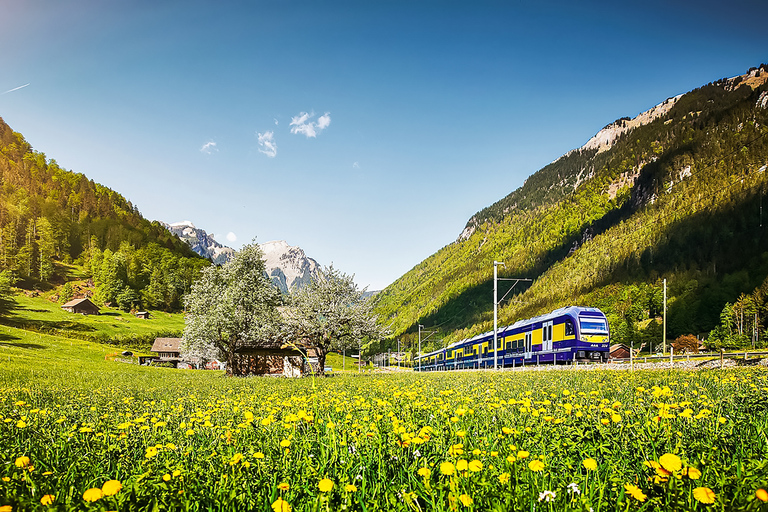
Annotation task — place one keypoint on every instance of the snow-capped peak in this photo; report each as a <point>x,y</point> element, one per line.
<point>183,224</point>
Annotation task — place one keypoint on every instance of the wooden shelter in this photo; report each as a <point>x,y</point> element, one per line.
<point>619,351</point>
<point>142,314</point>
<point>81,306</point>
<point>274,358</point>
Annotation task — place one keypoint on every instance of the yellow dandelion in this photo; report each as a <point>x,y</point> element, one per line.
<point>704,495</point>
<point>22,462</point>
<point>536,465</point>
<point>462,465</point>
<point>111,487</point>
<point>465,500</point>
<point>47,499</point>
<point>166,477</point>
<point>285,443</point>
<point>670,462</point>
<point>93,494</point>
<point>522,454</point>
<point>350,488</point>
<point>280,505</point>
<point>504,478</point>
<point>325,485</point>
<point>694,474</point>
<point>6,508</point>
<point>283,486</point>
<point>424,472</point>
<point>475,466</point>
<point>635,492</point>
<point>447,468</point>
<point>589,464</point>
<point>150,452</point>
<point>762,495</point>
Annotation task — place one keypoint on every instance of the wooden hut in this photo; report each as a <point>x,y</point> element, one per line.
<point>274,358</point>
<point>619,351</point>
<point>81,306</point>
<point>142,314</point>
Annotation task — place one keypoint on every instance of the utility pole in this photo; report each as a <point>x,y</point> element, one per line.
<point>496,303</point>
<point>420,326</point>
<point>664,331</point>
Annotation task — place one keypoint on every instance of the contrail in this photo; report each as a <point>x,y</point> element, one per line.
<point>15,89</point>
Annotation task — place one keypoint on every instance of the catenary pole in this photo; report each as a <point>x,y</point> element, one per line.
<point>496,314</point>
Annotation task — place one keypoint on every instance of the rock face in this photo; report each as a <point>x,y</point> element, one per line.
<point>201,242</point>
<point>288,266</point>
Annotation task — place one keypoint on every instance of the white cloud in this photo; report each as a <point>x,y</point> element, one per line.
<point>356,165</point>
<point>231,237</point>
<point>302,124</point>
<point>276,122</point>
<point>267,143</point>
<point>208,148</point>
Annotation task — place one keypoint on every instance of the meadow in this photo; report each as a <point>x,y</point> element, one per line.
<point>79,433</point>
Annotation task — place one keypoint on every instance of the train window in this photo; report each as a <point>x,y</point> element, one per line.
<point>593,325</point>
<point>569,328</point>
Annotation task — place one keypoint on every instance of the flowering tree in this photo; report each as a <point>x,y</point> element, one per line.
<point>231,306</point>
<point>331,313</point>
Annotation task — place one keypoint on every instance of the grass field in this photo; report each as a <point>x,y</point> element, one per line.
<point>79,433</point>
<point>39,314</point>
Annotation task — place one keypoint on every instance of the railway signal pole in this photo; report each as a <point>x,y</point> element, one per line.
<point>496,302</point>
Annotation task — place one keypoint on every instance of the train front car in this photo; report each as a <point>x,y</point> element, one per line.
<point>593,337</point>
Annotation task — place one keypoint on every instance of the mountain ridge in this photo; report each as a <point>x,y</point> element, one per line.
<point>657,168</point>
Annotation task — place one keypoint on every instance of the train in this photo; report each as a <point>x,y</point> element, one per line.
<point>569,334</point>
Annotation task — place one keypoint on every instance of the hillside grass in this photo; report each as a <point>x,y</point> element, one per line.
<point>113,326</point>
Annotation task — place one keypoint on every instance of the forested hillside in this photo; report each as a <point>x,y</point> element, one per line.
<point>678,196</point>
<point>50,215</point>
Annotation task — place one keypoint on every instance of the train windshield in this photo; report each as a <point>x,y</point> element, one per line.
<point>596,325</point>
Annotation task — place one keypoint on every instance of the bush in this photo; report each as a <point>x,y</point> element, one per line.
<point>686,343</point>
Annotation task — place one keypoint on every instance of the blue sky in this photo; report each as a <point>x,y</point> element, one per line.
<point>408,117</point>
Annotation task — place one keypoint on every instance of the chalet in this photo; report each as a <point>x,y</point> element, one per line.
<point>274,358</point>
<point>142,314</point>
<point>167,349</point>
<point>81,306</point>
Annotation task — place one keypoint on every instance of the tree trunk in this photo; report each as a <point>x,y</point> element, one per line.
<point>231,358</point>
<point>321,352</point>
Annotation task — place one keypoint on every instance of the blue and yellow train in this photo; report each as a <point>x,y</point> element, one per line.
<point>565,335</point>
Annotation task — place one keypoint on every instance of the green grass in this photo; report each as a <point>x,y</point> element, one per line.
<point>42,315</point>
<point>197,440</point>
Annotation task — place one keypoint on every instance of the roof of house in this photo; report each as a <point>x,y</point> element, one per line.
<point>166,345</point>
<point>75,302</point>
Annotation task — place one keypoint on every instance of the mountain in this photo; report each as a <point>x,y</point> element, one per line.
<point>674,193</point>
<point>51,218</point>
<point>201,242</point>
<point>288,266</point>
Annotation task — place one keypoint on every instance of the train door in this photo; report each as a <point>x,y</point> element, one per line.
<point>528,345</point>
<point>546,336</point>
